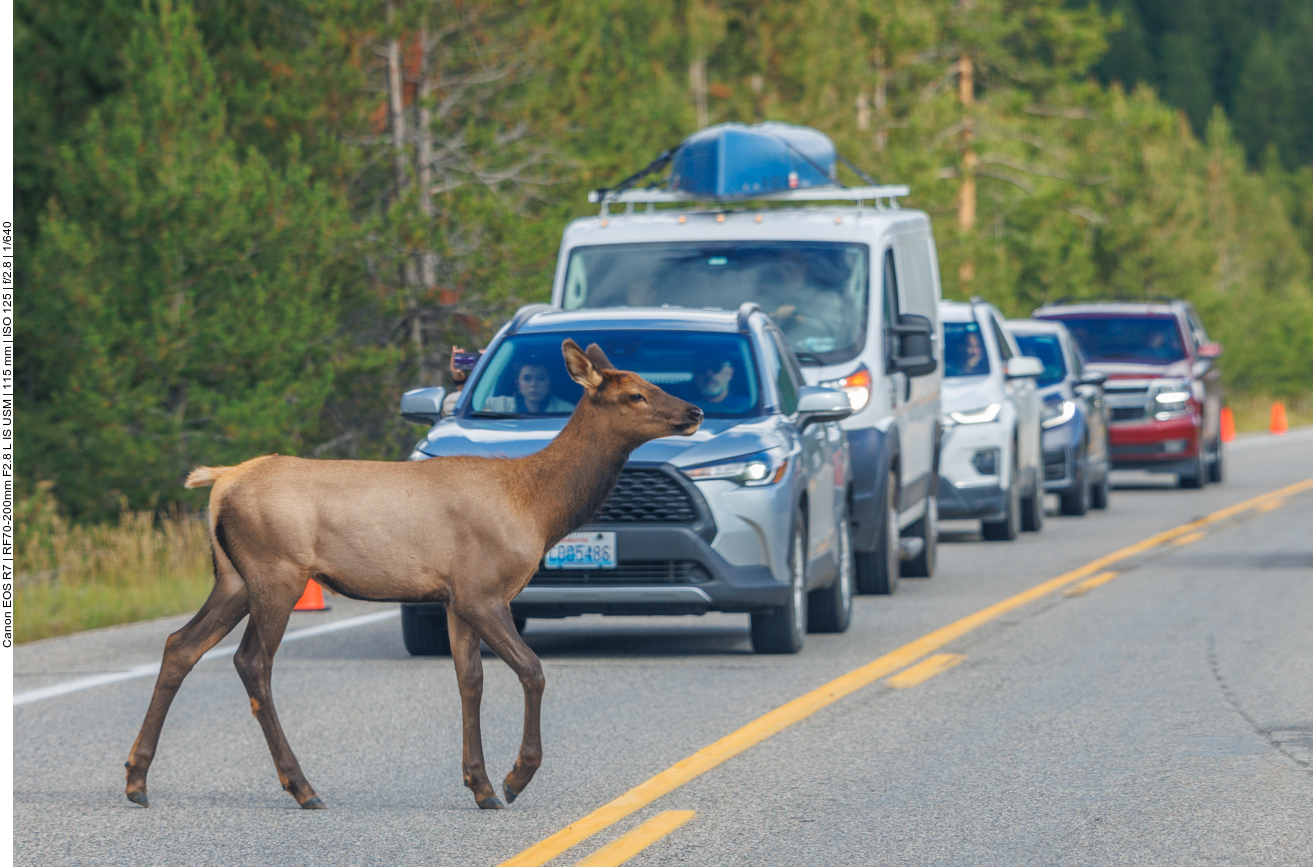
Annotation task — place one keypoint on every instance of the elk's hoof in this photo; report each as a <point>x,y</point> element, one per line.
<point>511,792</point>
<point>139,798</point>
<point>313,804</point>
<point>491,803</point>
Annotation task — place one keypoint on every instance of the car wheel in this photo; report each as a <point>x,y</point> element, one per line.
<point>1076,499</point>
<point>926,529</point>
<point>1196,476</point>
<point>830,609</point>
<point>424,630</point>
<point>1006,530</point>
<point>1032,510</point>
<point>783,628</point>
<point>877,571</point>
<point>1099,494</point>
<point>1215,473</point>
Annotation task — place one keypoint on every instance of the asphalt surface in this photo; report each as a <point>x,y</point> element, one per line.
<point>1164,717</point>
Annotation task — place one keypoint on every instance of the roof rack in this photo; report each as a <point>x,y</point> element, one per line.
<point>655,195</point>
<point>746,309</point>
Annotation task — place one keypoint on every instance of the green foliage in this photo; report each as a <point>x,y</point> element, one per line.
<point>191,295</point>
<point>231,257</point>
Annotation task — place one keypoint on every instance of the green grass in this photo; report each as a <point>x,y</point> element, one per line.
<point>72,577</point>
<point>1253,413</point>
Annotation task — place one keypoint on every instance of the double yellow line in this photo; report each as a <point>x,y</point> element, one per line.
<point>804,706</point>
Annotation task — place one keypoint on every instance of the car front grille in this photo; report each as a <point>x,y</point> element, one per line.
<point>1055,464</point>
<point>647,496</point>
<point>634,572</point>
<point>1127,413</point>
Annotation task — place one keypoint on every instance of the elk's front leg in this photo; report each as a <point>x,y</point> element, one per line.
<point>497,626</point>
<point>469,674</point>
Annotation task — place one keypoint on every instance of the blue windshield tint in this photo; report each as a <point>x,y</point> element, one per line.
<point>815,291</point>
<point>1130,339</point>
<point>1048,349</point>
<point>526,375</point>
<point>964,350</point>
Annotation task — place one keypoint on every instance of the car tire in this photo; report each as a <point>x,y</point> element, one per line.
<point>1075,501</point>
<point>877,571</point>
<point>1099,494</point>
<point>424,630</point>
<point>830,609</point>
<point>926,529</point>
<point>782,629</point>
<point>1006,530</point>
<point>1215,471</point>
<point>1032,511</point>
<point>1197,476</point>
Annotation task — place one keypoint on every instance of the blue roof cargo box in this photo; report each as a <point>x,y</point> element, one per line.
<point>738,161</point>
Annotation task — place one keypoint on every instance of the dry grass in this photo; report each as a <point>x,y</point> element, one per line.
<point>72,577</point>
<point>1254,412</point>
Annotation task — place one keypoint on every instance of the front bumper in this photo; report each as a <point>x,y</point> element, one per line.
<point>659,570</point>
<point>988,502</point>
<point>1159,446</point>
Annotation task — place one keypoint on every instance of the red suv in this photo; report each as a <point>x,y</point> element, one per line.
<point>1164,391</point>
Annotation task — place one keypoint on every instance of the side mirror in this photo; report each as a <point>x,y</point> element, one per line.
<point>1024,366</point>
<point>1210,351</point>
<point>817,403</point>
<point>423,405</point>
<point>913,341</point>
<point>1092,379</point>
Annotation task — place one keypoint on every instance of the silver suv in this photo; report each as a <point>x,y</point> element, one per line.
<point>750,514</point>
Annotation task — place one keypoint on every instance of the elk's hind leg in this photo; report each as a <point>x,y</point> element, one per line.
<point>254,661</point>
<point>226,606</point>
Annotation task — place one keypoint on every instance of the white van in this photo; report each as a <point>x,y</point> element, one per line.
<point>854,286</point>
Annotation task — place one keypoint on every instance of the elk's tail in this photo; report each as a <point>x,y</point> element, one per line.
<point>203,476</point>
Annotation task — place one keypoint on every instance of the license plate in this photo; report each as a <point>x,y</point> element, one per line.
<point>582,551</point>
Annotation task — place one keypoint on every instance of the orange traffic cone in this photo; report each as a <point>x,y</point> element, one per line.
<point>1278,425</point>
<point>312,599</point>
<point>1228,425</point>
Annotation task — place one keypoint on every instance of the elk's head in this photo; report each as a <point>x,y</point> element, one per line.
<point>632,407</point>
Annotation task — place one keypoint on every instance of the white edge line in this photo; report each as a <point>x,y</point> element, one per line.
<point>153,668</point>
<point>1294,436</point>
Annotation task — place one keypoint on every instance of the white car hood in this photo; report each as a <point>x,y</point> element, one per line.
<point>967,393</point>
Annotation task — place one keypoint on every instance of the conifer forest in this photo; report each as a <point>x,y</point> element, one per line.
<point>249,225</point>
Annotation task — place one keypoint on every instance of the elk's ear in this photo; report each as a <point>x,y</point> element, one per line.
<point>599,357</point>
<point>582,370</point>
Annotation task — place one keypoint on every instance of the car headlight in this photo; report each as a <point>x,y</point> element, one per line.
<point>977,416</point>
<point>856,385</point>
<point>1171,397</point>
<point>1054,413</point>
<point>762,468</point>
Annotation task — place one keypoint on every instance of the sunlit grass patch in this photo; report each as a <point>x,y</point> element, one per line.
<point>72,577</point>
<point>1254,412</point>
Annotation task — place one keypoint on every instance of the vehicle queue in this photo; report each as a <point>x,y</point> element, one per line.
<point>848,406</point>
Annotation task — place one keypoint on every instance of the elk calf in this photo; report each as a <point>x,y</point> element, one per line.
<point>466,531</point>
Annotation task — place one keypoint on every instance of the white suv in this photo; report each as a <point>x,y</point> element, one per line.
<point>991,462</point>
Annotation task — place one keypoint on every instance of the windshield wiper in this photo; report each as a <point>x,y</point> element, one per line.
<point>487,414</point>
<point>808,358</point>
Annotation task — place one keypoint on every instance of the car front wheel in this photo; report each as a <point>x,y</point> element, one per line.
<point>783,628</point>
<point>830,609</point>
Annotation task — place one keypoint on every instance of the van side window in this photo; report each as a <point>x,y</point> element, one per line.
<point>890,290</point>
<point>1003,348</point>
<point>785,376</point>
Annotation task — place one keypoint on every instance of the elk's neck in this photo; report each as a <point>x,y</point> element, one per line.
<point>571,478</point>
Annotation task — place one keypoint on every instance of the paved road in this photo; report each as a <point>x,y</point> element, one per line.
<point>1163,717</point>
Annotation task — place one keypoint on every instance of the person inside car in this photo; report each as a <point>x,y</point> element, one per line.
<point>713,378</point>
<point>533,392</point>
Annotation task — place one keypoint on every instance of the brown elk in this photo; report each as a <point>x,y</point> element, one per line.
<point>466,531</point>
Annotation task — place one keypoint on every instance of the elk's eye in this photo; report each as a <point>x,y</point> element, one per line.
<point>637,398</point>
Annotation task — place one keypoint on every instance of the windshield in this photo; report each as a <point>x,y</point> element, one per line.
<point>1048,349</point>
<point>526,376</point>
<point>1132,339</point>
<point>816,292</point>
<point>964,350</point>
